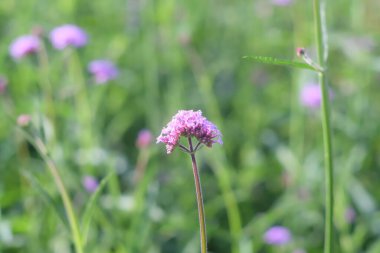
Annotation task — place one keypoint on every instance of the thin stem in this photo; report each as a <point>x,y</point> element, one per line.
<point>198,189</point>
<point>183,148</point>
<point>198,146</point>
<point>326,128</point>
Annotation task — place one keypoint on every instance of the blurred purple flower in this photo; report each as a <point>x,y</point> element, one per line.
<point>68,35</point>
<point>24,45</point>
<point>189,123</point>
<point>3,84</point>
<point>311,95</point>
<point>23,120</point>
<point>144,139</point>
<point>350,215</point>
<point>90,183</point>
<point>103,71</point>
<point>282,2</point>
<point>277,235</point>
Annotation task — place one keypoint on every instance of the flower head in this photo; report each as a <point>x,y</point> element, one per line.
<point>282,2</point>
<point>350,215</point>
<point>277,235</point>
<point>144,139</point>
<point>68,35</point>
<point>311,95</point>
<point>90,183</point>
<point>189,123</point>
<point>23,120</point>
<point>103,71</point>
<point>23,46</point>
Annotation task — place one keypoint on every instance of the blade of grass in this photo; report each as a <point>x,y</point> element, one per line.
<point>89,208</point>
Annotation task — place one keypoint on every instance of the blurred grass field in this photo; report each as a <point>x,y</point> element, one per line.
<point>176,55</point>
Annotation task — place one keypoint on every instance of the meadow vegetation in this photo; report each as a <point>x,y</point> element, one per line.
<point>79,163</point>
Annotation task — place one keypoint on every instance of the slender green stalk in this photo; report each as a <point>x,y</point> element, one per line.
<point>74,227</point>
<point>329,179</point>
<point>198,189</point>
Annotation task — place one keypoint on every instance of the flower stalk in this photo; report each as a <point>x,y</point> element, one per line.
<point>191,124</point>
<point>198,189</point>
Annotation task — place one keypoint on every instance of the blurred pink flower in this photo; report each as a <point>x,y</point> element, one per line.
<point>90,183</point>
<point>23,120</point>
<point>103,71</point>
<point>68,35</point>
<point>311,95</point>
<point>189,123</point>
<point>277,235</point>
<point>144,139</point>
<point>23,46</point>
<point>350,215</point>
<point>282,2</point>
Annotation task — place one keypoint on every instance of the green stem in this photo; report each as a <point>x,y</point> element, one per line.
<point>74,227</point>
<point>198,189</point>
<point>327,143</point>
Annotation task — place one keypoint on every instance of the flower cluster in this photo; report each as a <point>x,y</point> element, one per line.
<point>90,183</point>
<point>189,123</point>
<point>277,235</point>
<point>102,70</point>
<point>282,2</point>
<point>24,45</point>
<point>68,35</point>
<point>144,139</point>
<point>311,95</point>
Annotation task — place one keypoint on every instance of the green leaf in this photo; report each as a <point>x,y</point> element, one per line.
<point>47,198</point>
<point>89,209</point>
<point>276,61</point>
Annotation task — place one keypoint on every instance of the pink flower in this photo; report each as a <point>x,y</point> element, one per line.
<point>144,139</point>
<point>68,35</point>
<point>282,2</point>
<point>189,123</point>
<point>350,215</point>
<point>90,183</point>
<point>311,95</point>
<point>103,71</point>
<point>277,235</point>
<point>23,46</point>
<point>23,120</point>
